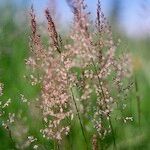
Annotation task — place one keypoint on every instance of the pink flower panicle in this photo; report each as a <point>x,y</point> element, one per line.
<point>87,64</point>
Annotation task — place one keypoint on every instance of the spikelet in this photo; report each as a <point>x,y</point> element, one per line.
<point>93,54</point>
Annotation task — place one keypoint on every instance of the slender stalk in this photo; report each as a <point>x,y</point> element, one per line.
<point>113,133</point>
<point>95,142</point>
<point>55,145</point>
<point>11,138</point>
<point>78,113</point>
<point>58,147</point>
<point>138,101</point>
<point>109,118</point>
<point>69,135</point>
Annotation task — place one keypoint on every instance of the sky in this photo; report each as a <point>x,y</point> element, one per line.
<point>134,16</point>
<point>64,9</point>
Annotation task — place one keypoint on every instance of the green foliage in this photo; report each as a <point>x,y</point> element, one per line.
<point>14,50</point>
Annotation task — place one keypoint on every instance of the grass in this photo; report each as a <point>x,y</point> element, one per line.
<point>13,51</point>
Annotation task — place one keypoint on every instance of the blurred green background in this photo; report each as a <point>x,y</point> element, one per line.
<point>14,37</point>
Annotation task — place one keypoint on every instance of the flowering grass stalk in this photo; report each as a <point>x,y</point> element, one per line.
<point>94,56</point>
<point>82,79</point>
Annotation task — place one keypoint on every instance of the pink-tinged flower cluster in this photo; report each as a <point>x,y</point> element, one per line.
<point>56,100</point>
<point>50,70</point>
<point>87,63</point>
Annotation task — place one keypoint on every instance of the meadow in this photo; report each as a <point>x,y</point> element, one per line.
<point>25,121</point>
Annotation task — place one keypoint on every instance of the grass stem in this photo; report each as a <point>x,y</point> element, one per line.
<point>11,138</point>
<point>103,95</point>
<point>138,101</point>
<point>78,113</point>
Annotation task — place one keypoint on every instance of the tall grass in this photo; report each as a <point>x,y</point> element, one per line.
<point>83,87</point>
